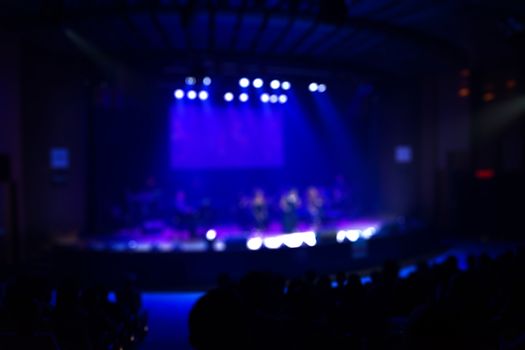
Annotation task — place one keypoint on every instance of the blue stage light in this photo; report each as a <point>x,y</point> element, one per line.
<point>275,84</point>
<point>244,82</point>
<point>313,87</point>
<point>285,85</point>
<point>228,97</point>
<point>283,98</point>
<point>274,99</point>
<point>192,95</point>
<point>206,81</point>
<point>258,83</point>
<point>203,95</point>
<point>244,97</point>
<point>265,98</point>
<point>321,88</point>
<point>190,81</point>
<point>179,94</point>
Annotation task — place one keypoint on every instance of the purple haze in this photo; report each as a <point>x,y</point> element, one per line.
<point>221,137</point>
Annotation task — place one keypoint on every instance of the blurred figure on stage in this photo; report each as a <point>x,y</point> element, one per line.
<point>340,204</point>
<point>315,206</point>
<point>185,214</point>
<point>259,206</point>
<point>290,203</point>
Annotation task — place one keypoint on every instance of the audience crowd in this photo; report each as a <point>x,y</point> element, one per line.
<point>438,306</point>
<point>37,313</point>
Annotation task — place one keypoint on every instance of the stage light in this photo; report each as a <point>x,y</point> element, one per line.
<point>258,83</point>
<point>203,95</point>
<point>293,240</point>
<point>368,232</point>
<point>353,235</point>
<point>254,243</point>
<point>274,99</point>
<point>190,81</point>
<point>244,97</point>
<point>273,242</point>
<point>313,87</point>
<point>179,94</point>
<point>340,236</point>
<point>228,97</point>
<point>275,84</point>
<point>321,88</point>
<point>244,82</point>
<point>219,246</point>
<point>283,98</point>
<point>286,85</point>
<point>206,81</point>
<point>310,239</point>
<point>192,95</point>
<point>211,235</point>
<point>265,98</point>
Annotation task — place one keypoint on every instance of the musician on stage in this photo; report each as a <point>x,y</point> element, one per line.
<point>314,206</point>
<point>259,208</point>
<point>185,214</point>
<point>290,203</point>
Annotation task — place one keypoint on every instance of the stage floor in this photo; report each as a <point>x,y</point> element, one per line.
<point>161,238</point>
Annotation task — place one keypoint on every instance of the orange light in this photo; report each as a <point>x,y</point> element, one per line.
<point>511,84</point>
<point>464,73</point>
<point>464,92</point>
<point>488,96</point>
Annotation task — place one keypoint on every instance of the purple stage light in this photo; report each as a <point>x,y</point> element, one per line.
<point>206,81</point>
<point>313,87</point>
<point>244,82</point>
<point>203,95</point>
<point>244,97</point>
<point>283,98</point>
<point>179,94</point>
<point>274,99</point>
<point>275,84</point>
<point>265,98</point>
<point>258,83</point>
<point>321,88</point>
<point>192,95</point>
<point>228,97</point>
<point>286,85</point>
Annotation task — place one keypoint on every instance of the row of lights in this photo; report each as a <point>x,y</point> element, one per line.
<point>315,87</point>
<point>259,83</point>
<point>229,96</point>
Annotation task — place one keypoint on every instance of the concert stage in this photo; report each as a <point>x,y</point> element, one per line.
<point>169,260</point>
<point>158,237</point>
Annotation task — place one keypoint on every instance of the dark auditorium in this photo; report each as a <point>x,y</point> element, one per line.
<point>262,174</point>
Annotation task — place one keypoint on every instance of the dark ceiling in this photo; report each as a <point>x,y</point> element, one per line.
<point>383,36</point>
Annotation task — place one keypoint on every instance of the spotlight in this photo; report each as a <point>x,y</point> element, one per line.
<point>275,84</point>
<point>265,98</point>
<point>283,98</point>
<point>341,236</point>
<point>321,88</point>
<point>313,87</point>
<point>243,97</point>
<point>190,81</point>
<point>192,95</point>
<point>206,81</point>
<point>228,97</point>
<point>244,82</point>
<point>203,95</point>
<point>254,243</point>
<point>258,83</point>
<point>274,99</point>
<point>353,235</point>
<point>178,94</point>
<point>211,235</point>
<point>285,85</point>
